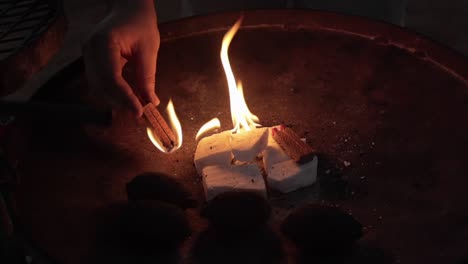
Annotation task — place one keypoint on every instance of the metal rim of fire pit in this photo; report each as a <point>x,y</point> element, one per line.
<point>381,32</point>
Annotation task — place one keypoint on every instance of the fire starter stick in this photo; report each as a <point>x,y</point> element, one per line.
<point>290,142</point>
<point>159,125</point>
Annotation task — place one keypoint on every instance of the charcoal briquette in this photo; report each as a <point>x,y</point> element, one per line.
<point>154,223</point>
<point>238,211</point>
<point>321,229</point>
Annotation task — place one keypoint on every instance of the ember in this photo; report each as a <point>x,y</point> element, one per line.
<point>230,160</point>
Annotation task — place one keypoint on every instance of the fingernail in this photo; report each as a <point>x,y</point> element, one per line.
<point>155,99</point>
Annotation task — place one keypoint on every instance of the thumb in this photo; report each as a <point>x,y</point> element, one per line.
<point>146,74</point>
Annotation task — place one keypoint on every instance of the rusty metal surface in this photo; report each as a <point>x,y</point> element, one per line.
<point>392,104</point>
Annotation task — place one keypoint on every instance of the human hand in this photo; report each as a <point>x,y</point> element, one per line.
<point>120,55</point>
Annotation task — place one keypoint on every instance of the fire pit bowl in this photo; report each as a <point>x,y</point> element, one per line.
<point>386,109</point>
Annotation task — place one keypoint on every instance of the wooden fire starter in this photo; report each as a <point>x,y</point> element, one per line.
<point>160,127</point>
<point>292,144</point>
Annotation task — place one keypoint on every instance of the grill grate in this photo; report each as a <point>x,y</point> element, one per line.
<point>21,21</point>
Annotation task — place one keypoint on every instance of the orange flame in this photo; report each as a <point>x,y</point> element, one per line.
<point>242,118</point>
<point>210,125</point>
<point>175,126</point>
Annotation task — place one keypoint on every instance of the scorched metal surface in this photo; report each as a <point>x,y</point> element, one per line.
<point>386,108</point>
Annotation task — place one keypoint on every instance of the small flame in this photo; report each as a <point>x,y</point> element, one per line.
<point>241,116</point>
<point>210,125</point>
<point>175,126</point>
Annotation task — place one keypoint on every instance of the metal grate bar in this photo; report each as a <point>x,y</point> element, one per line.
<point>28,19</point>
<point>21,12</point>
<point>10,6</point>
<point>32,18</point>
<point>38,29</point>
<point>7,50</point>
<point>19,29</point>
<point>21,21</point>
<point>24,15</point>
<point>12,39</point>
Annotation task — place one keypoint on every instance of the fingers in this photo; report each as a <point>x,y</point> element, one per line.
<point>104,65</point>
<point>123,37</point>
<point>145,62</point>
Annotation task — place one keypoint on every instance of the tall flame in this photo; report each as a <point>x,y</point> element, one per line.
<point>241,116</point>
<point>175,126</point>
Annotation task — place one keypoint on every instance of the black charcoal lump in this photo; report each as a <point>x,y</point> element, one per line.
<point>154,223</point>
<point>238,211</point>
<point>321,229</point>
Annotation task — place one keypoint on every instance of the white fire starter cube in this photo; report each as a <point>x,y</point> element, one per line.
<point>228,162</point>
<point>283,173</point>
<point>219,179</point>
